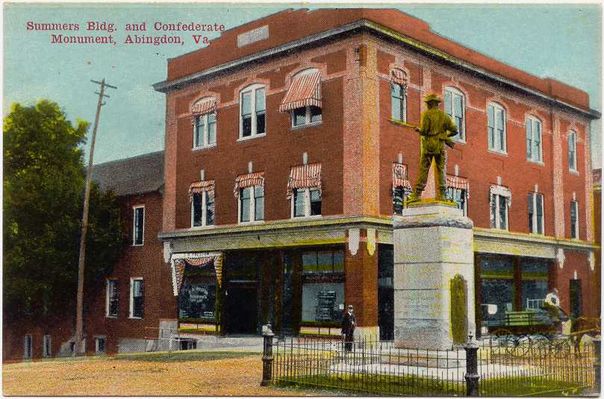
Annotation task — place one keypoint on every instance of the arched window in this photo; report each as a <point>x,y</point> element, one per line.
<point>496,131</point>
<point>455,107</point>
<point>534,144</point>
<point>204,122</point>
<point>303,99</point>
<point>398,94</point>
<point>252,105</point>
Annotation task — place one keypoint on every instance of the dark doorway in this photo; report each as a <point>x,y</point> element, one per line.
<point>241,303</point>
<point>575,298</point>
<point>386,291</point>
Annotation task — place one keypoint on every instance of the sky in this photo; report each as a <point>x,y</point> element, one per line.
<point>558,41</point>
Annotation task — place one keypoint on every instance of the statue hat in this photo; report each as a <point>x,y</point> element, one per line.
<point>432,97</point>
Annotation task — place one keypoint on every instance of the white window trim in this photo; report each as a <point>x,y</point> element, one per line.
<point>131,304</point>
<point>107,299</point>
<point>307,121</point>
<point>307,204</point>
<point>96,344</point>
<point>454,91</point>
<point>404,119</point>
<point>465,202</point>
<point>577,230</point>
<point>204,211</point>
<point>534,199</point>
<point>534,120</point>
<point>206,132</point>
<point>46,342</point>
<point>496,197</point>
<point>28,350</point>
<point>252,207</point>
<point>134,208</point>
<point>572,168</point>
<point>254,134</point>
<point>496,106</point>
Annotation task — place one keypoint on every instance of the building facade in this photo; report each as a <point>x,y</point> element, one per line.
<point>290,145</point>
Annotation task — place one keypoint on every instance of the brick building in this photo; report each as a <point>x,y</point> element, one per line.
<point>289,146</point>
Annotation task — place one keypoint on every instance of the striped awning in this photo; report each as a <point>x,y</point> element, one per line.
<point>399,76</point>
<point>460,183</point>
<point>399,176</point>
<point>501,190</point>
<point>180,262</point>
<point>304,176</point>
<point>204,106</point>
<point>249,180</point>
<point>304,91</point>
<point>201,186</point>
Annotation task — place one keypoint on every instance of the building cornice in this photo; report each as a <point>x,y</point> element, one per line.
<point>370,26</point>
<point>503,236</point>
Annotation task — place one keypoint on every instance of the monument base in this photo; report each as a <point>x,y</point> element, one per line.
<point>433,244</point>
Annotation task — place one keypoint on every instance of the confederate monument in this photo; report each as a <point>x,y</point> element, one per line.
<point>433,252</point>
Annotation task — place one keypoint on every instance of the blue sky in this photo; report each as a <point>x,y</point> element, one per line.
<point>558,41</point>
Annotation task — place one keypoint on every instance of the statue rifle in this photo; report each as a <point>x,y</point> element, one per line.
<point>448,140</point>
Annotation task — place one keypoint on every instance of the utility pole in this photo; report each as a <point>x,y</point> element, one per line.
<point>81,261</point>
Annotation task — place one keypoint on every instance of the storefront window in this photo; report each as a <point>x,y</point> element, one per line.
<point>322,286</point>
<point>497,289</point>
<point>534,282</point>
<point>197,300</point>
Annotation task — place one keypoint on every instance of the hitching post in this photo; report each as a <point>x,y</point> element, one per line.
<point>267,355</point>
<point>597,362</point>
<point>471,367</point>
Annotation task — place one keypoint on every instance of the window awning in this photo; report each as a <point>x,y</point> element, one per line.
<point>304,91</point>
<point>201,186</point>
<point>503,191</point>
<point>399,76</point>
<point>249,180</point>
<point>304,176</point>
<point>202,259</point>
<point>399,176</point>
<point>460,183</point>
<point>204,106</point>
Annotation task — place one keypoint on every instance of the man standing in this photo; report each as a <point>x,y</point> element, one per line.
<point>349,322</point>
<point>436,129</point>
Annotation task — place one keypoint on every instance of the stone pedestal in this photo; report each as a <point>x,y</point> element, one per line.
<point>433,242</point>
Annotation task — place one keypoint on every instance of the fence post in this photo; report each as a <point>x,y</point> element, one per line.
<point>471,376</point>
<point>267,355</point>
<point>597,362</point>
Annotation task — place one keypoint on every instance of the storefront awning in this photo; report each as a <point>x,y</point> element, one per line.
<point>201,186</point>
<point>202,259</point>
<point>204,106</point>
<point>399,176</point>
<point>304,91</point>
<point>249,180</point>
<point>459,183</point>
<point>304,176</point>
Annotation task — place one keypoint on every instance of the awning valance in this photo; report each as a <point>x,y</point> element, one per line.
<point>399,176</point>
<point>202,259</point>
<point>204,106</point>
<point>248,180</point>
<point>460,183</point>
<point>201,186</point>
<point>399,76</point>
<point>503,191</point>
<point>304,176</point>
<point>304,91</point>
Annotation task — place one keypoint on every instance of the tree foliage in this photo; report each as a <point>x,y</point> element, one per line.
<point>44,178</point>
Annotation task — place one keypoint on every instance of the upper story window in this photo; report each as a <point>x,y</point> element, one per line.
<point>398,94</point>
<point>401,187</point>
<point>138,224</point>
<point>500,201</point>
<point>252,111</point>
<point>303,99</point>
<point>204,122</point>
<point>496,127</point>
<point>535,213</point>
<point>574,219</point>
<point>455,106</point>
<point>572,150</point>
<point>201,195</point>
<point>249,189</point>
<point>304,190</point>
<point>137,298</point>
<point>112,299</point>
<point>533,139</point>
<point>458,191</point>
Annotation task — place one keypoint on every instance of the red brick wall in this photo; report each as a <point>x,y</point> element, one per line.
<point>577,261</point>
<point>361,288</point>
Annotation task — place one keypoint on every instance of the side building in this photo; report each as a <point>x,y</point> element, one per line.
<point>290,145</point>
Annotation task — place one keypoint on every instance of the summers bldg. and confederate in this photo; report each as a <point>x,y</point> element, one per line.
<point>290,145</point>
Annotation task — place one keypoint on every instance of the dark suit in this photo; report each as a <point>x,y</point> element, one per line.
<point>349,322</point>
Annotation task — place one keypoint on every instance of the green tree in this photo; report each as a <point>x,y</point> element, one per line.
<point>44,177</point>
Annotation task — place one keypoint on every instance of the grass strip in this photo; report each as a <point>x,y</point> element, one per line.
<point>183,356</point>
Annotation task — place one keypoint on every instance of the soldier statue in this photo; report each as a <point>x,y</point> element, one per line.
<point>436,129</point>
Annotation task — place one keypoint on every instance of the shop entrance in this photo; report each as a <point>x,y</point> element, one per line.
<point>241,306</point>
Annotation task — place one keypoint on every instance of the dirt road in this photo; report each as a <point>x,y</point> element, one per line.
<point>114,376</point>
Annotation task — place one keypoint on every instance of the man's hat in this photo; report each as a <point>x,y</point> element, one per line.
<point>432,97</point>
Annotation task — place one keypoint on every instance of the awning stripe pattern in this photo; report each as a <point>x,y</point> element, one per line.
<point>399,176</point>
<point>248,180</point>
<point>399,76</point>
<point>304,91</point>
<point>201,186</point>
<point>197,260</point>
<point>460,183</point>
<point>204,106</point>
<point>501,190</point>
<point>304,176</point>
